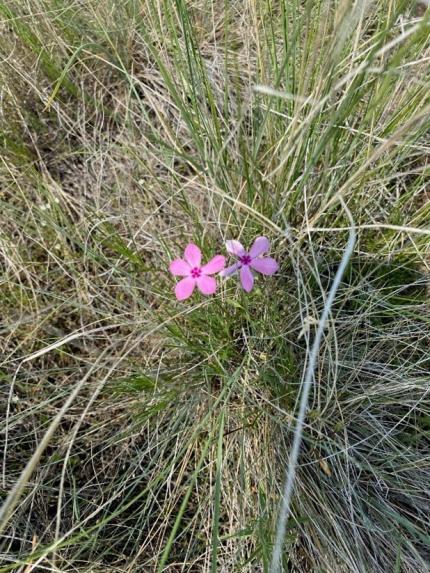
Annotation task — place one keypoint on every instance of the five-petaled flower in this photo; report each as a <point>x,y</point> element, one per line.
<point>250,260</point>
<point>195,274</point>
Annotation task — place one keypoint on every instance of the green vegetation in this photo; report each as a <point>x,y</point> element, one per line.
<point>143,434</point>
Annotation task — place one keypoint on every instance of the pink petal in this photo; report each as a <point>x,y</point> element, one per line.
<point>214,265</point>
<point>193,255</point>
<point>246,278</point>
<point>265,266</point>
<point>230,270</point>
<point>184,288</point>
<point>261,245</point>
<point>207,285</point>
<point>180,268</point>
<point>235,248</point>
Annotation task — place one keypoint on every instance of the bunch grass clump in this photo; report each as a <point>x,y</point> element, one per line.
<point>143,434</point>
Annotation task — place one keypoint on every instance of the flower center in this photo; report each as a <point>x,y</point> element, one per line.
<point>196,272</point>
<point>245,259</point>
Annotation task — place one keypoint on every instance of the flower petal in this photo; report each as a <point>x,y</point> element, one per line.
<point>180,268</point>
<point>261,245</point>
<point>265,266</point>
<point>230,270</point>
<point>207,285</point>
<point>214,265</point>
<point>193,255</point>
<point>235,248</point>
<point>184,288</point>
<point>246,278</point>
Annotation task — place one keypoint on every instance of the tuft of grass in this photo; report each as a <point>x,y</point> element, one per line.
<point>143,434</point>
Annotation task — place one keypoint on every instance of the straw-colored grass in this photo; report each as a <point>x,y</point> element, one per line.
<point>143,434</point>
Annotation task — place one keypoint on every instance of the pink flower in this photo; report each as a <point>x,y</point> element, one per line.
<point>195,274</point>
<point>250,260</point>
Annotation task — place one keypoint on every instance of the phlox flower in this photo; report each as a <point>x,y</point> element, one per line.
<point>250,261</point>
<point>194,274</point>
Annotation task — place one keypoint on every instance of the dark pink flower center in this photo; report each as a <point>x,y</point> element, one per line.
<point>245,259</point>
<point>196,272</point>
